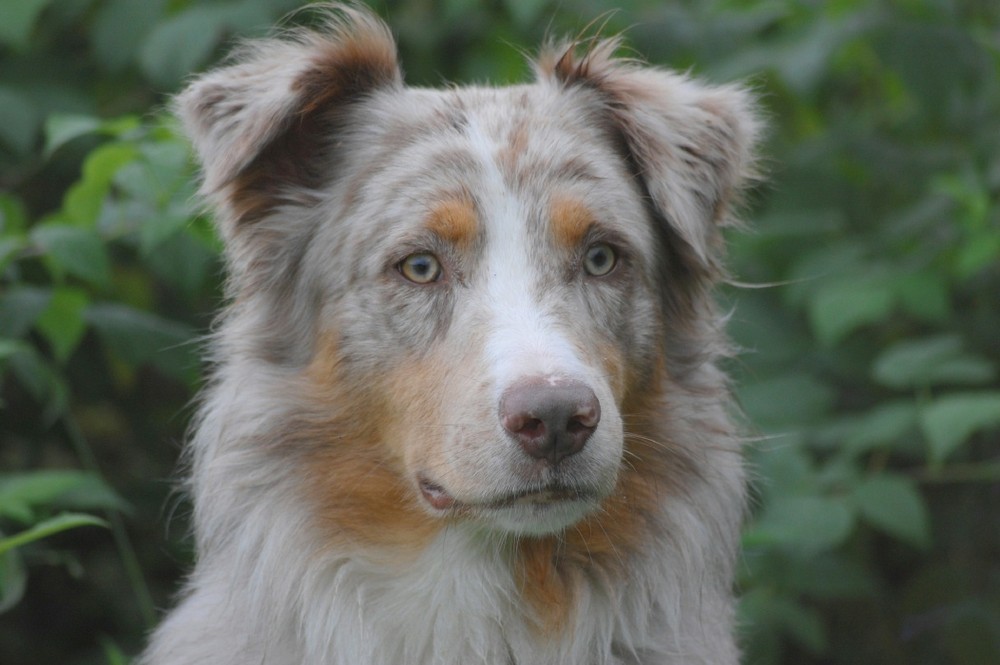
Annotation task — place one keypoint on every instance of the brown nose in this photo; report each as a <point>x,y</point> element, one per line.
<point>550,418</point>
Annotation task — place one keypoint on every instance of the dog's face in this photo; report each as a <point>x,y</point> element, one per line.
<point>470,279</point>
<point>496,278</point>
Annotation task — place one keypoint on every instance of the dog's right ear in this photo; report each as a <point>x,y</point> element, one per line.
<point>262,127</point>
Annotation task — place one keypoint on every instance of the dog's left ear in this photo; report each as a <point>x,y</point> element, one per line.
<point>690,144</point>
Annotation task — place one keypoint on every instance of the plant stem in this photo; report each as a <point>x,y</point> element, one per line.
<point>126,551</point>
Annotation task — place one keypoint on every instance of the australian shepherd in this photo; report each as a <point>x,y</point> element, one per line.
<point>466,405</point>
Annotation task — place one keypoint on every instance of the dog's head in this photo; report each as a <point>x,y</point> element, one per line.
<point>477,287</point>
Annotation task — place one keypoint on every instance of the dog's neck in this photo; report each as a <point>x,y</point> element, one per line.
<point>462,600</point>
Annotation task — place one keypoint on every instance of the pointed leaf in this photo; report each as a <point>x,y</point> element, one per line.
<point>41,381</point>
<point>21,494</point>
<point>84,200</point>
<point>881,427</point>
<point>60,129</point>
<point>19,17</point>
<point>926,362</point>
<point>62,322</point>
<point>790,398</point>
<point>138,337</point>
<point>892,504</point>
<point>924,295</point>
<point>13,215</point>
<point>48,528</point>
<point>74,250</point>
<point>948,422</point>
<point>808,523</point>
<point>19,118</point>
<point>13,579</point>
<point>841,308</point>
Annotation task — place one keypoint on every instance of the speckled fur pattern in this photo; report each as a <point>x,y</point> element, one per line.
<point>357,499</point>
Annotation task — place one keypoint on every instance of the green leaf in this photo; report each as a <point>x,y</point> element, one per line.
<point>138,337</point>
<point>13,216</point>
<point>949,421</point>
<point>114,47</point>
<point>790,399</point>
<point>807,523</point>
<point>84,200</point>
<point>10,248</point>
<point>60,129</point>
<point>40,381</point>
<point>526,12</point>
<point>828,576</point>
<point>74,250</point>
<point>184,260</point>
<point>931,361</point>
<point>786,466</point>
<point>24,494</point>
<point>841,308</point>
<point>13,579</point>
<point>924,295</point>
<point>981,251</point>
<point>184,42</point>
<point>157,229</point>
<point>48,528</point>
<point>19,118</point>
<point>62,322</point>
<point>930,58</point>
<point>9,347</point>
<point>20,307</point>
<point>802,59</point>
<point>883,426</point>
<point>19,17</point>
<point>169,164</point>
<point>112,652</point>
<point>892,504</point>
<point>162,171</point>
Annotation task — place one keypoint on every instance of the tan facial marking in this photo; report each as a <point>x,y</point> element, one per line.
<point>570,220</point>
<point>454,220</point>
<point>353,477</point>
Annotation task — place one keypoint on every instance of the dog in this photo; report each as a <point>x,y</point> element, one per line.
<point>466,403</point>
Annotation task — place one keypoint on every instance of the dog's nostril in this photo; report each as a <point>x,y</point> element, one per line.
<point>588,416</point>
<point>524,426</point>
<point>550,419</point>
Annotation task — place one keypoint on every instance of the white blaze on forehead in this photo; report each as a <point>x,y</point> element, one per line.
<point>522,340</point>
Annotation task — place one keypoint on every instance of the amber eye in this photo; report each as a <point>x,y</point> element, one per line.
<point>599,260</point>
<point>420,268</point>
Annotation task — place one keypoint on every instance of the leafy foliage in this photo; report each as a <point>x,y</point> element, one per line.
<point>870,372</point>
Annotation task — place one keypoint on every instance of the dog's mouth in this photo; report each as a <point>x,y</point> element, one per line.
<point>438,497</point>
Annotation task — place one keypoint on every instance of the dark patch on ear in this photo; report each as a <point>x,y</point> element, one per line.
<point>263,125</point>
<point>343,70</point>
<point>340,73</point>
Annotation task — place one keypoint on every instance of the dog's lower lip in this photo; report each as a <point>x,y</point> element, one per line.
<point>539,496</point>
<point>439,498</point>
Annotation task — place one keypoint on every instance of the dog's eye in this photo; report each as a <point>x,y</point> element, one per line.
<point>420,268</point>
<point>600,259</point>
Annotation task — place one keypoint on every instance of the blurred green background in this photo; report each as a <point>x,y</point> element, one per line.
<point>867,304</point>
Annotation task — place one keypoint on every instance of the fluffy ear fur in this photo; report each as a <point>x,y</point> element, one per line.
<point>262,126</point>
<point>691,145</point>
